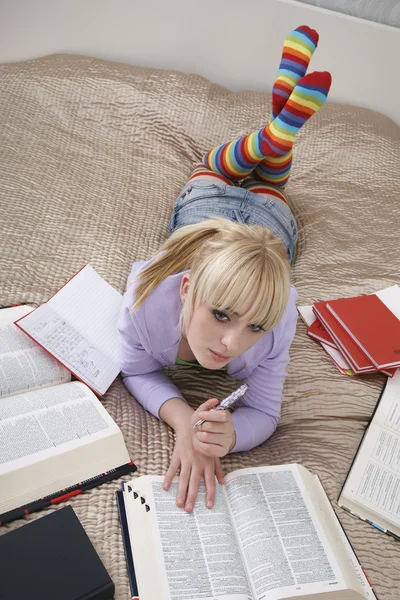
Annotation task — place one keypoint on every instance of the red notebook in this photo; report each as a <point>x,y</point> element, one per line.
<point>372,327</point>
<point>318,332</point>
<point>357,359</point>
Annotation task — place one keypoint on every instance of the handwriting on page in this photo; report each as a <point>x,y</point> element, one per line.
<point>78,325</point>
<point>69,346</point>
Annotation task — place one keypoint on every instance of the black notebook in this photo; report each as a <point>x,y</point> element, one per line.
<point>50,558</point>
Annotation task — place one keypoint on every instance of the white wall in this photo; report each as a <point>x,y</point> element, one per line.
<point>236,43</point>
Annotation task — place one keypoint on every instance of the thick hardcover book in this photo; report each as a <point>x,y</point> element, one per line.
<point>127,545</point>
<point>271,534</point>
<point>52,557</point>
<point>56,438</point>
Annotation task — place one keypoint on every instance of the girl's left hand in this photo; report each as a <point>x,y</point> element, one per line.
<point>217,435</point>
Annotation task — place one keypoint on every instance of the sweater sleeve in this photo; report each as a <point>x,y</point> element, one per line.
<point>257,415</point>
<point>141,373</point>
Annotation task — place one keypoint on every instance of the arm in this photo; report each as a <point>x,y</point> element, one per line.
<point>144,378</point>
<point>257,415</point>
<point>141,373</point>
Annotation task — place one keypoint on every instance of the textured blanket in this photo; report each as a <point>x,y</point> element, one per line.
<point>92,154</point>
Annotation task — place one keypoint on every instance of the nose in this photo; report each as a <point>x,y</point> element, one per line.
<point>231,341</point>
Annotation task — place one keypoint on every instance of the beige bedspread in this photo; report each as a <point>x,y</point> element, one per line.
<point>91,155</point>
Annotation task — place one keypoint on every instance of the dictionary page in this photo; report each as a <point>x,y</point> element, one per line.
<point>78,326</point>
<point>187,556</point>
<point>291,541</point>
<point>372,488</point>
<point>23,364</point>
<point>54,438</point>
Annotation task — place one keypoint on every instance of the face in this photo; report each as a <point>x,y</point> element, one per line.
<point>217,336</point>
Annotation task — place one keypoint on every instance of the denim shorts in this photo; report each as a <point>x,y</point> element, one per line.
<point>201,200</point>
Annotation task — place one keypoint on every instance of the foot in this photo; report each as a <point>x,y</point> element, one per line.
<point>307,97</point>
<point>298,48</point>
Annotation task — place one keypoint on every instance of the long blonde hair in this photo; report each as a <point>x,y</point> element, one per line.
<point>229,262</point>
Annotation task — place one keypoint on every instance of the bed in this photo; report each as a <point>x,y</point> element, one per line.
<point>92,154</point>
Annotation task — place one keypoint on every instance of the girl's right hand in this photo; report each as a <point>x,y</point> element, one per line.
<point>193,466</point>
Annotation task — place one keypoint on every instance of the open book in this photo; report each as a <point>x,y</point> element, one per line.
<point>372,488</point>
<point>272,534</point>
<point>78,326</point>
<point>56,438</point>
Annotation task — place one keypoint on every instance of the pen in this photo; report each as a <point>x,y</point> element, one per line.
<point>13,305</point>
<point>379,528</point>
<point>66,493</point>
<point>227,402</point>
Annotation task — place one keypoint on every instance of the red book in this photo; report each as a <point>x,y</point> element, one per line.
<point>372,326</point>
<point>318,332</point>
<point>357,359</point>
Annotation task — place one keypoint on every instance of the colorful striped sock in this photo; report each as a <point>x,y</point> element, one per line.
<point>275,170</point>
<point>235,160</point>
<point>202,171</point>
<point>259,187</point>
<point>298,48</point>
<point>307,97</point>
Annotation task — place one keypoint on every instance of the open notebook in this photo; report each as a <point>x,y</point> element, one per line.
<point>78,326</point>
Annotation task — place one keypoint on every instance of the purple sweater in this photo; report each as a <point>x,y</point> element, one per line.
<point>149,340</point>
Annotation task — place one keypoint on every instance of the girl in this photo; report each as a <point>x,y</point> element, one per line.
<point>218,293</point>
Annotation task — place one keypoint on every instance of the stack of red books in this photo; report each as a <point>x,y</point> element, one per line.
<point>364,329</point>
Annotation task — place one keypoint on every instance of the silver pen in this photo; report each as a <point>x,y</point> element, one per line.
<point>227,402</point>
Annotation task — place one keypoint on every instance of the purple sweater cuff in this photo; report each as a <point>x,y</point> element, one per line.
<point>252,428</point>
<point>152,390</point>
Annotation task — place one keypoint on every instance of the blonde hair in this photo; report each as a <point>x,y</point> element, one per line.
<point>229,263</point>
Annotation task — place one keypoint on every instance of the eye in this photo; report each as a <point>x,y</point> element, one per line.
<point>256,328</point>
<point>219,315</point>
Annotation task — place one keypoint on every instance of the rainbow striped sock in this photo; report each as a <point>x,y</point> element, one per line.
<point>275,170</point>
<point>235,160</point>
<point>202,171</point>
<point>298,48</point>
<point>259,187</point>
<point>307,97</point>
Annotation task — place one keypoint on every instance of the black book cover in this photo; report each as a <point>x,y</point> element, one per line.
<point>127,546</point>
<point>52,557</point>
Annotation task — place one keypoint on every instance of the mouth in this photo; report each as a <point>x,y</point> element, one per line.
<point>219,357</point>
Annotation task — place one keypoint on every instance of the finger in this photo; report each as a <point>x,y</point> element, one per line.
<point>209,480</point>
<point>212,449</point>
<point>219,471</point>
<point>193,490</point>
<point>207,437</point>
<point>206,406</point>
<point>213,427</point>
<point>183,486</point>
<point>216,416</point>
<point>170,474</point>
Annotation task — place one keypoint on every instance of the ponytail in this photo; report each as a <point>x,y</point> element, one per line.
<point>176,255</point>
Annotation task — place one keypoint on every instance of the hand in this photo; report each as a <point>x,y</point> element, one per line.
<point>217,435</point>
<point>193,466</point>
